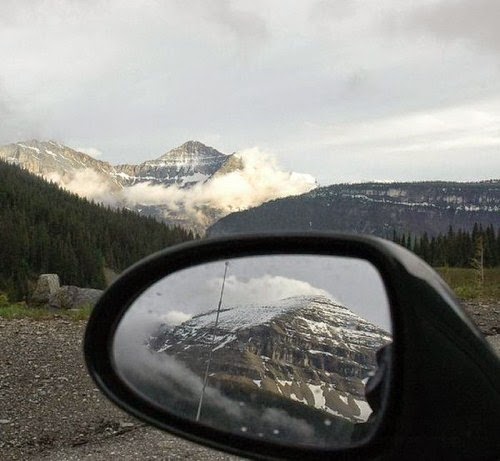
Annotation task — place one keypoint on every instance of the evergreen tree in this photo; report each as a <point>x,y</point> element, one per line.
<point>45,229</point>
<point>479,248</point>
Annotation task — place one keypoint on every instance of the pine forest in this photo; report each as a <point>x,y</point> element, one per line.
<point>44,229</point>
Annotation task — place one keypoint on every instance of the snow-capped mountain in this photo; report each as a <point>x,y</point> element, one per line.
<point>188,164</point>
<point>185,165</point>
<point>192,185</point>
<point>306,349</point>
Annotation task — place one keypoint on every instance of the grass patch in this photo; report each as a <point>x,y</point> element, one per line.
<point>466,284</point>
<point>78,314</point>
<point>11,311</point>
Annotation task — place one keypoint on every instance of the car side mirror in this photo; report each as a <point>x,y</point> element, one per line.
<point>272,346</point>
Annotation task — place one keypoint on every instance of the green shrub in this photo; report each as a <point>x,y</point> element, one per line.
<point>11,311</point>
<point>468,286</point>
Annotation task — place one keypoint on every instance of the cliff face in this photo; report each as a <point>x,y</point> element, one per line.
<point>185,165</point>
<point>374,208</point>
<point>440,195</point>
<point>309,350</point>
<point>49,158</point>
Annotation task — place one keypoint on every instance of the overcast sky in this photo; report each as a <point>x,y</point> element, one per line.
<point>260,281</point>
<point>344,90</point>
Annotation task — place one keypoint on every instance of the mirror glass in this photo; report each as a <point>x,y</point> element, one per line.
<point>288,348</point>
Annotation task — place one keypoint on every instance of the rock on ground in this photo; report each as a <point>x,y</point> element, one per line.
<point>49,293</point>
<point>46,286</point>
<point>71,297</point>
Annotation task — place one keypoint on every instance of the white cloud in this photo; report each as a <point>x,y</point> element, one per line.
<point>463,21</point>
<point>263,290</point>
<point>87,183</point>
<point>472,125</point>
<point>173,318</point>
<point>417,145</point>
<point>260,180</point>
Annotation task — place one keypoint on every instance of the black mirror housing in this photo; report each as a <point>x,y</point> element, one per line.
<point>442,389</point>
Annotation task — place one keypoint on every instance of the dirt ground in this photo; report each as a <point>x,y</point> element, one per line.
<point>486,315</point>
<point>51,410</point>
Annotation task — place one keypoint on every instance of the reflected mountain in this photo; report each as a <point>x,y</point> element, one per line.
<point>307,349</point>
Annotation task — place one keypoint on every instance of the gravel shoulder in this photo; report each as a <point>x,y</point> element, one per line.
<point>486,315</point>
<point>51,410</point>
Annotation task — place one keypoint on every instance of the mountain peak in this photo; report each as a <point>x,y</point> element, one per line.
<point>308,349</point>
<point>192,151</point>
<point>192,146</point>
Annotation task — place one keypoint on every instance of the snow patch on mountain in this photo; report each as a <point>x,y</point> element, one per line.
<point>314,316</point>
<point>309,349</point>
<point>239,317</point>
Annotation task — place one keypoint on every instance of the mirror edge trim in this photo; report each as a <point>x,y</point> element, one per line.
<point>134,280</point>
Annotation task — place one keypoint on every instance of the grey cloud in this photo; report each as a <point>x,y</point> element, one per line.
<point>327,10</point>
<point>475,22</point>
<point>11,117</point>
<point>133,78</point>
<point>245,25</point>
<point>240,23</point>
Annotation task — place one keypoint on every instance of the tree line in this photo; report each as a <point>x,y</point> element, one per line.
<point>45,229</point>
<point>456,248</point>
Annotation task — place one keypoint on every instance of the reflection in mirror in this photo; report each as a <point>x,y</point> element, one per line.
<point>290,348</point>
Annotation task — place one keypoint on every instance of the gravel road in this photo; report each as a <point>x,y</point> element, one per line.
<point>50,409</point>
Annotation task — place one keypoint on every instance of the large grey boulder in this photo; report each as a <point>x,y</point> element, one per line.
<point>47,286</point>
<point>71,297</point>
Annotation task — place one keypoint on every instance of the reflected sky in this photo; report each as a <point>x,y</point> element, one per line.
<point>259,280</point>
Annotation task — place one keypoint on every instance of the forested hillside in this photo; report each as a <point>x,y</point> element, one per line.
<point>44,229</point>
<point>375,208</point>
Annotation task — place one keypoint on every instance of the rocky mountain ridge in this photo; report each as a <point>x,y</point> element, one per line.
<point>46,158</point>
<point>374,208</point>
<point>307,349</point>
<point>168,188</point>
<point>187,164</point>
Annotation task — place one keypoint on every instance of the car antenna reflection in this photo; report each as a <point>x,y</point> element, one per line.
<point>207,370</point>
